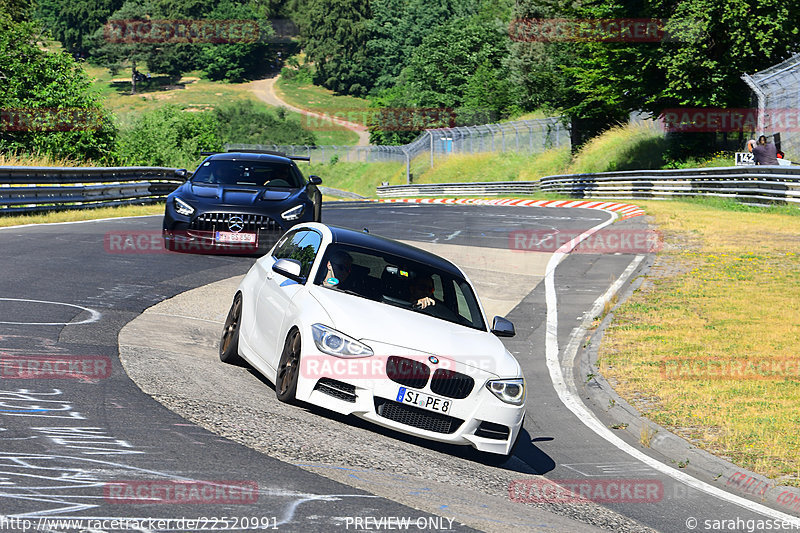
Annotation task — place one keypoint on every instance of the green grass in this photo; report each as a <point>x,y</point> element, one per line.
<point>360,178</point>
<point>318,99</point>
<point>724,293</point>
<point>628,147</point>
<point>191,92</point>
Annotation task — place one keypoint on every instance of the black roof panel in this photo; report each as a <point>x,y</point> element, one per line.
<point>375,242</point>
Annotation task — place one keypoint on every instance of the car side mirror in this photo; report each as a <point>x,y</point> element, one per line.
<point>289,268</point>
<point>315,180</point>
<point>181,173</point>
<point>503,327</point>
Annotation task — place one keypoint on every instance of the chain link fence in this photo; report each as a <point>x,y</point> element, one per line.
<point>524,136</point>
<point>778,92</point>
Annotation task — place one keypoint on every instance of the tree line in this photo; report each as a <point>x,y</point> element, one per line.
<point>481,60</point>
<point>495,57</point>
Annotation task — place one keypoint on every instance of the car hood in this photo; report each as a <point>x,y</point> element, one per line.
<point>383,326</point>
<point>238,194</point>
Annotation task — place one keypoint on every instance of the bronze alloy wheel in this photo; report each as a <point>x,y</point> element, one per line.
<point>288,369</point>
<point>229,343</point>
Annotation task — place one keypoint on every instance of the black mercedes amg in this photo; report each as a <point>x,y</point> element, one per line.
<point>240,202</point>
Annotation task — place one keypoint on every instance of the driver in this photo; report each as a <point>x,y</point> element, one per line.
<point>340,264</point>
<point>421,289</point>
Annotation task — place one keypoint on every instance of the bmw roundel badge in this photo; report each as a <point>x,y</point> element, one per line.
<point>433,359</point>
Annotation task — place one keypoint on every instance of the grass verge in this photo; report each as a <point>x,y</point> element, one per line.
<point>191,93</point>
<point>81,214</point>
<point>321,100</point>
<point>708,346</point>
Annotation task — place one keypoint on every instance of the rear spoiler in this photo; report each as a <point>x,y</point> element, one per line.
<point>268,152</point>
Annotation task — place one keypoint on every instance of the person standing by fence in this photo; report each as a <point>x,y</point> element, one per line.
<point>765,153</point>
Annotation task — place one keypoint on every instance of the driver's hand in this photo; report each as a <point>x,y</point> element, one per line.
<point>422,303</point>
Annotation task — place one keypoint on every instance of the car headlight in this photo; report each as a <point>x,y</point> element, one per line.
<point>182,207</point>
<point>509,390</point>
<point>293,213</point>
<point>335,343</point>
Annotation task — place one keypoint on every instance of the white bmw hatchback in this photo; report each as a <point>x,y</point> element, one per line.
<point>363,325</point>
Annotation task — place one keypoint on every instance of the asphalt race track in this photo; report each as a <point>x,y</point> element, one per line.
<point>73,448</point>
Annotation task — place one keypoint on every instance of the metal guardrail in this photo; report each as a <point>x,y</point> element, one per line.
<point>755,184</point>
<point>31,189</point>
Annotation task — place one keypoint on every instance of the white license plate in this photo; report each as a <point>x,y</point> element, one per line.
<point>229,236</point>
<point>425,401</point>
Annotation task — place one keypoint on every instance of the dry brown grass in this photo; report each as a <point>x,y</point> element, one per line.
<point>709,346</point>
<point>81,214</point>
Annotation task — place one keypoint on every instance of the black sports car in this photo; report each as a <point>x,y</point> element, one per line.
<point>240,202</point>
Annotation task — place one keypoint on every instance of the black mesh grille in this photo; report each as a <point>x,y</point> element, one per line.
<point>416,417</point>
<point>490,430</point>
<point>337,389</point>
<point>219,222</point>
<point>451,384</point>
<point>407,372</point>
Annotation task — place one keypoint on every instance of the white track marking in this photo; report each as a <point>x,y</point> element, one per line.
<point>37,224</point>
<point>95,315</point>
<point>568,394</point>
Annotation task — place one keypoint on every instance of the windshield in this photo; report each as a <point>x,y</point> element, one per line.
<point>400,282</point>
<point>252,173</point>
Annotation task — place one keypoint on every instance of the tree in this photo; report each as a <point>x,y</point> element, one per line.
<point>396,29</point>
<point>239,61</point>
<point>185,36</point>
<point>334,34</point>
<point>73,22</point>
<point>707,46</point>
<point>17,10</point>
<point>47,100</point>
<point>168,136</point>
<point>457,75</point>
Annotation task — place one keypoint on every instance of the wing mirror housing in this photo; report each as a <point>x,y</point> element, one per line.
<point>315,180</point>
<point>503,327</point>
<point>289,268</point>
<point>181,173</point>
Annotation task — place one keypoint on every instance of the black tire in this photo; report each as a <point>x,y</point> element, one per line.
<point>169,244</point>
<point>288,369</point>
<point>229,343</point>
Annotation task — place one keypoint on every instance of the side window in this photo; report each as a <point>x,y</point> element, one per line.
<point>467,306</point>
<point>301,245</point>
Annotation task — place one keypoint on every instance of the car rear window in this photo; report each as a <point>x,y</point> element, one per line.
<point>248,173</point>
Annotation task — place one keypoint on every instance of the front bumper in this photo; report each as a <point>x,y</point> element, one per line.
<point>480,419</point>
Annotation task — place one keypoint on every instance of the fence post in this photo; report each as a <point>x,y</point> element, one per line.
<point>408,166</point>
<point>430,132</point>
